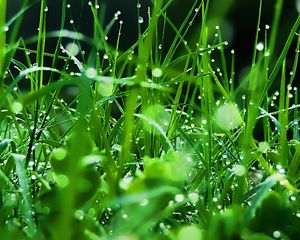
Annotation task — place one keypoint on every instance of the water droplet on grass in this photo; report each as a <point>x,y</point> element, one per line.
<point>194,197</point>
<point>239,170</point>
<point>72,49</point>
<point>17,107</point>
<point>59,153</point>
<point>141,19</point>
<point>228,117</point>
<point>156,72</point>
<point>62,180</point>
<point>179,198</point>
<point>260,46</point>
<point>91,72</point>
<point>263,147</point>
<point>138,5</point>
<point>105,88</point>
<point>276,234</point>
<point>190,232</point>
<point>79,214</point>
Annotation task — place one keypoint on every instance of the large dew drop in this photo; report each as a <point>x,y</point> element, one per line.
<point>228,117</point>
<point>72,49</point>
<point>156,72</point>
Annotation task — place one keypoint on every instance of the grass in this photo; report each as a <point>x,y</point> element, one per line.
<point>156,141</point>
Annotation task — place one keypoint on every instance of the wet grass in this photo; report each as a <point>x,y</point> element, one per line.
<point>155,141</point>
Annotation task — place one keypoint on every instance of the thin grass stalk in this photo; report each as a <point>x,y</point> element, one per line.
<point>2,39</point>
<point>144,53</point>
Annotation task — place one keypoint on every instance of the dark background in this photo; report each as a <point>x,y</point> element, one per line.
<point>237,20</point>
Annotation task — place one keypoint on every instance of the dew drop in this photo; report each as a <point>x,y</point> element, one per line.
<point>72,49</point>
<point>62,180</point>
<point>138,5</point>
<point>59,154</point>
<point>91,72</point>
<point>239,170</point>
<point>179,198</point>
<point>194,197</point>
<point>260,46</point>
<point>105,56</point>
<point>141,19</point>
<point>276,234</point>
<point>156,72</point>
<point>17,107</point>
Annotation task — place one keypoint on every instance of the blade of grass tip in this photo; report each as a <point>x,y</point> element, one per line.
<point>223,62</point>
<point>280,60</point>
<point>296,59</point>
<point>2,40</point>
<point>158,127</point>
<point>19,17</point>
<point>206,93</point>
<point>144,52</point>
<point>59,40</point>
<point>275,26</point>
<point>232,74</point>
<point>256,34</point>
<point>21,172</point>
<point>296,134</point>
<point>102,35</point>
<point>39,76</point>
<point>179,38</point>
<point>41,43</point>
<point>283,117</point>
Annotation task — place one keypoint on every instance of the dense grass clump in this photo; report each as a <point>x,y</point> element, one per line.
<point>156,141</point>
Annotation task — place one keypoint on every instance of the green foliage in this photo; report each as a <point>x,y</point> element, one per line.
<point>156,141</point>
